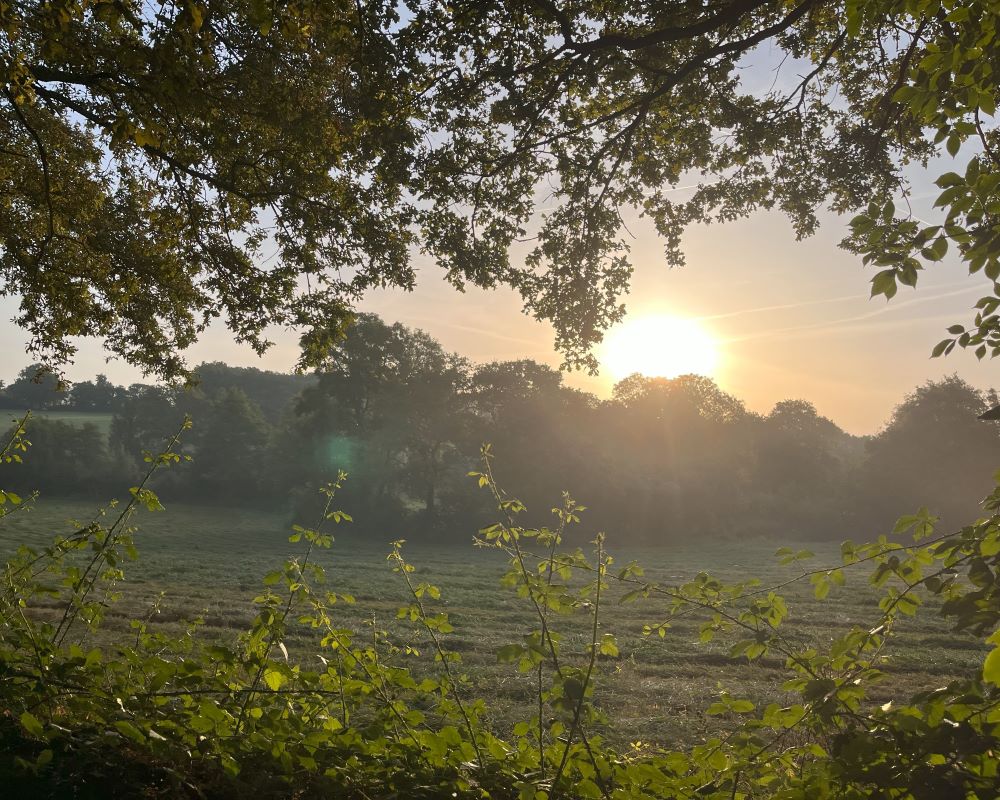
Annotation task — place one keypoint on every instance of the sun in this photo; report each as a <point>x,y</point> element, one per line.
<point>659,347</point>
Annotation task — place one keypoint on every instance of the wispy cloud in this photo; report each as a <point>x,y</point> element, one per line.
<point>438,323</point>
<point>780,307</point>
<point>849,324</point>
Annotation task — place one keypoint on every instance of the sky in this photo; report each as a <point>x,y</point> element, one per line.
<point>792,320</point>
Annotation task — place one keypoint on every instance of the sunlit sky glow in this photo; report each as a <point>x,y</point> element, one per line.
<point>788,319</point>
<point>659,346</point>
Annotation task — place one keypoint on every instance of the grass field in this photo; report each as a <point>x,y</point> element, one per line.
<point>210,561</point>
<point>100,419</point>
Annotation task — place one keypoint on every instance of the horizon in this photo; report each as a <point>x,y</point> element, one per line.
<point>602,396</point>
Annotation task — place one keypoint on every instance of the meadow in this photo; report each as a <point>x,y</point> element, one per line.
<point>208,564</point>
<point>101,420</point>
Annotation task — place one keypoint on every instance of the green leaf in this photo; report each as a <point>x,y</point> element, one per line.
<point>509,653</point>
<point>129,731</point>
<point>949,179</point>
<point>144,138</point>
<point>608,646</point>
<point>991,667</point>
<point>274,679</point>
<point>32,725</point>
<point>940,347</point>
<point>884,283</point>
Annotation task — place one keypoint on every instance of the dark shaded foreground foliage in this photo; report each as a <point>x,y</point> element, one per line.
<point>361,717</point>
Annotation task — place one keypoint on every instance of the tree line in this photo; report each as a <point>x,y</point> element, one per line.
<point>662,459</point>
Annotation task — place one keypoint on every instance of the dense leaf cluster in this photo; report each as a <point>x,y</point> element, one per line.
<point>268,163</point>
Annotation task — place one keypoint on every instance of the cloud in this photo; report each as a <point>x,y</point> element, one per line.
<point>844,324</point>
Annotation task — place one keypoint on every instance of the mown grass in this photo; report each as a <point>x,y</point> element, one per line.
<point>209,563</point>
<point>99,419</point>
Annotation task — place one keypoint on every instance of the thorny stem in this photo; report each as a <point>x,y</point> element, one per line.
<point>382,687</point>
<point>397,556</point>
<point>546,632</point>
<point>112,539</point>
<point>590,667</point>
<point>541,703</point>
<point>16,433</point>
<point>279,627</point>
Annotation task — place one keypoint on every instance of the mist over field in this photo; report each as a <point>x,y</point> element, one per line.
<point>665,460</point>
<point>678,474</point>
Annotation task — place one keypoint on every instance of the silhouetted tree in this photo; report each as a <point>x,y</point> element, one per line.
<point>229,441</point>
<point>397,398</point>
<point>146,415</point>
<point>34,389</point>
<point>934,452</point>
<point>97,395</point>
<point>64,459</point>
<point>273,392</point>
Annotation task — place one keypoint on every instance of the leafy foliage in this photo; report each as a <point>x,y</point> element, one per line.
<point>33,388</point>
<point>268,163</point>
<point>191,715</point>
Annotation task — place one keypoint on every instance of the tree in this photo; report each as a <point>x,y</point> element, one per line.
<point>153,158</point>
<point>682,448</point>
<point>687,398</point>
<point>800,448</point>
<point>142,417</point>
<point>34,388</point>
<point>432,420</point>
<point>97,395</point>
<point>230,443</point>
<point>504,388</point>
<point>400,400</point>
<point>272,391</point>
<point>934,452</point>
<point>66,459</point>
<point>534,424</point>
<point>803,473</point>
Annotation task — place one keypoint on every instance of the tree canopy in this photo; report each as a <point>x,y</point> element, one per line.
<point>164,165</point>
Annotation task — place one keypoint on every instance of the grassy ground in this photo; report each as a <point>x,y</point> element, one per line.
<point>210,561</point>
<point>100,419</point>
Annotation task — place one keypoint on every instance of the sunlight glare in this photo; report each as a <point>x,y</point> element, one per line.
<point>659,346</point>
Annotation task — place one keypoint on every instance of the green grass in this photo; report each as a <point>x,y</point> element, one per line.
<point>210,561</point>
<point>101,419</point>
